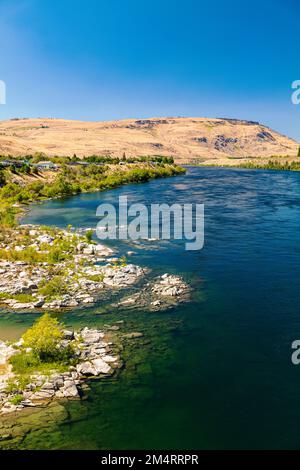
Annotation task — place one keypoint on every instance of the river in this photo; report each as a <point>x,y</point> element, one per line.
<point>214,373</point>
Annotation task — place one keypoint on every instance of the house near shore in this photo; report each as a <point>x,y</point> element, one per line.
<point>10,163</point>
<point>46,165</point>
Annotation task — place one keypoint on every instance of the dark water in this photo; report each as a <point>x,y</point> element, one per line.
<point>215,373</point>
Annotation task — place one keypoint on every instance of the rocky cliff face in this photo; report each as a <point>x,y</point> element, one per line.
<point>187,139</point>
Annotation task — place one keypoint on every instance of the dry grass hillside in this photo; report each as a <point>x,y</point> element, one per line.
<point>197,140</point>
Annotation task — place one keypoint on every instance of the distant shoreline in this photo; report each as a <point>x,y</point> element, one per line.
<point>245,166</point>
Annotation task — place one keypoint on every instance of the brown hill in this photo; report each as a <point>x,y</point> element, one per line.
<point>216,141</point>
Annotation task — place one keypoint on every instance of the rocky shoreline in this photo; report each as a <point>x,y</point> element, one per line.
<point>160,293</point>
<point>55,269</point>
<point>50,269</point>
<point>96,355</point>
<point>84,277</point>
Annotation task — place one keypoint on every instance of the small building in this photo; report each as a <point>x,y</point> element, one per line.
<point>47,165</point>
<point>9,163</point>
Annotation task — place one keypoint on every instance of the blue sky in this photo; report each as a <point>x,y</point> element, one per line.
<point>113,59</point>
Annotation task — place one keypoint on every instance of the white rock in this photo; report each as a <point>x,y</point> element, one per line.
<point>9,408</point>
<point>110,359</point>
<point>45,239</point>
<point>86,368</point>
<point>88,300</point>
<point>33,233</point>
<point>28,403</point>
<point>70,390</point>
<point>101,366</point>
<point>89,250</point>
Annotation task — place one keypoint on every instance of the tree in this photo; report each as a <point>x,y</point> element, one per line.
<point>299,152</point>
<point>44,338</point>
<point>2,177</point>
<point>89,235</point>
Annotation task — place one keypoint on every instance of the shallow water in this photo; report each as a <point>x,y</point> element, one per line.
<point>213,373</point>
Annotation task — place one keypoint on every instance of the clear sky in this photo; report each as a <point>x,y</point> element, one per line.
<point>112,59</point>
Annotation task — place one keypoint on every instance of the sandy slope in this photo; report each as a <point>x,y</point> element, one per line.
<point>187,139</point>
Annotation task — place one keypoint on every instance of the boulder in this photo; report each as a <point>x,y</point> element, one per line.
<point>89,250</point>
<point>27,403</point>
<point>43,395</point>
<point>68,334</point>
<point>48,386</point>
<point>81,246</point>
<point>102,250</point>
<point>101,367</point>
<point>88,300</point>
<point>110,359</point>
<point>156,303</point>
<point>91,336</point>
<point>45,239</point>
<point>9,408</point>
<point>86,368</point>
<point>70,390</point>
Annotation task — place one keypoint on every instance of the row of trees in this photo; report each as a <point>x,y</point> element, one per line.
<point>40,156</point>
<point>71,181</point>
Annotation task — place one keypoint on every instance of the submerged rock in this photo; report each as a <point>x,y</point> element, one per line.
<point>133,335</point>
<point>158,294</point>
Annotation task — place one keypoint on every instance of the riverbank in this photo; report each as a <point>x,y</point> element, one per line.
<point>200,375</point>
<point>43,268</point>
<point>275,163</point>
<point>30,378</point>
<point>47,268</point>
<point>54,269</point>
<point>18,189</point>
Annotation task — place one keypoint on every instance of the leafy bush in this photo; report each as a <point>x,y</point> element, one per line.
<point>89,235</point>
<point>26,363</point>
<point>4,296</point>
<point>43,338</point>
<point>95,277</point>
<point>23,298</point>
<point>22,363</point>
<point>29,255</point>
<point>16,400</point>
<point>2,177</point>
<point>8,218</point>
<point>54,288</point>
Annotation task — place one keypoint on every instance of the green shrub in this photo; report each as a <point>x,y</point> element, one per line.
<point>74,180</point>
<point>96,277</point>
<point>17,385</point>
<point>16,400</point>
<point>89,235</point>
<point>43,339</point>
<point>54,288</point>
<point>23,298</point>
<point>7,218</point>
<point>2,177</point>
<point>4,296</point>
<point>29,255</point>
<point>23,362</point>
